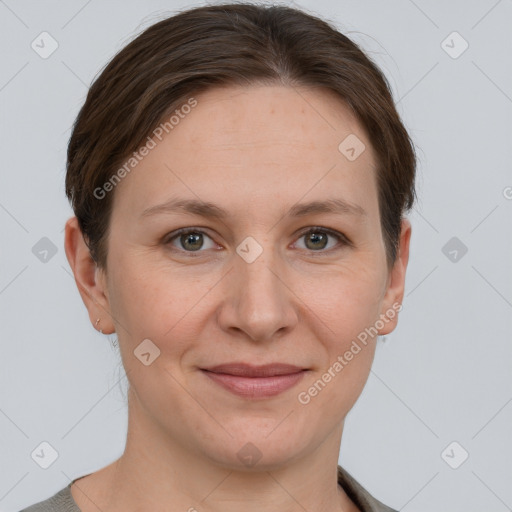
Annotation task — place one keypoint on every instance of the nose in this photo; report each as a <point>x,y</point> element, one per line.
<point>258,300</point>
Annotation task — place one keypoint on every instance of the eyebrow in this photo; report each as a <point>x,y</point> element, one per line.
<point>211,210</point>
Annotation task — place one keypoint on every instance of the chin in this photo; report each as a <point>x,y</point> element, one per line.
<point>260,446</point>
<point>252,458</point>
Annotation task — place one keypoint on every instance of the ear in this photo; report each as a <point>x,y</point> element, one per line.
<point>392,302</point>
<point>89,278</point>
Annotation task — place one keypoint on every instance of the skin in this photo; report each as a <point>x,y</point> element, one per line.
<point>256,152</point>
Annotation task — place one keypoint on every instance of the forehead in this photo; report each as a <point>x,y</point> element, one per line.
<point>271,115</point>
<point>255,142</point>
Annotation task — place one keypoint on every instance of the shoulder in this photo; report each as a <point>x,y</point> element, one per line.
<point>61,501</point>
<point>359,495</point>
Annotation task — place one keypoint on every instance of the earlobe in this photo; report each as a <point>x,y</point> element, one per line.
<point>89,279</point>
<point>393,298</point>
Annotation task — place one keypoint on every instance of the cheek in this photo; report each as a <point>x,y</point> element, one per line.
<point>346,300</point>
<point>167,307</point>
<point>347,306</point>
<point>145,292</point>
<point>326,398</point>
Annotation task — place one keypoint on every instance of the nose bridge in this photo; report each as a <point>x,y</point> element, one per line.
<point>259,303</point>
<point>253,266</point>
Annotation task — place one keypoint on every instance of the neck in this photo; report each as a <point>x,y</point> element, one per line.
<point>155,471</point>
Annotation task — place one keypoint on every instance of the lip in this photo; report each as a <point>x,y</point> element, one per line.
<point>254,382</point>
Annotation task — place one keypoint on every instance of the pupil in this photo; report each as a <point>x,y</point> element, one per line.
<point>192,237</point>
<point>315,237</point>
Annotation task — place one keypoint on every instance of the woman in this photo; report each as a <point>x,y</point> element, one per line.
<point>239,177</point>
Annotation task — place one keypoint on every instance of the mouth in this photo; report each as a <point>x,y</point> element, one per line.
<point>254,382</point>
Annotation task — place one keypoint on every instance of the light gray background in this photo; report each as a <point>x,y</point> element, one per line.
<point>444,375</point>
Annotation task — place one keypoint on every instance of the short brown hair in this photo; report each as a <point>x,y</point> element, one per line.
<point>229,44</point>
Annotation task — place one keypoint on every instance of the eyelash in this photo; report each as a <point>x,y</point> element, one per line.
<point>342,239</point>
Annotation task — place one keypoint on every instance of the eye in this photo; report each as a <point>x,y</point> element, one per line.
<point>317,239</point>
<point>189,240</point>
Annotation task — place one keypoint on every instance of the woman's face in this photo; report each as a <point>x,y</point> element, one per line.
<point>248,284</point>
